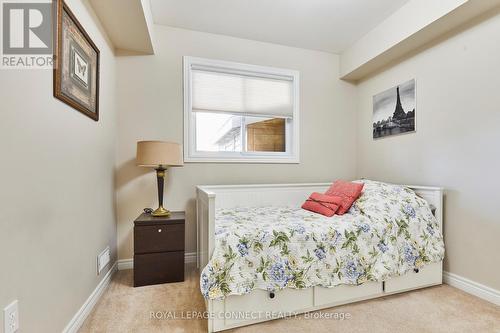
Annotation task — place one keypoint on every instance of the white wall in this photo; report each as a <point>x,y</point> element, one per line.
<point>456,144</point>
<point>56,191</point>
<point>151,107</point>
<point>404,23</point>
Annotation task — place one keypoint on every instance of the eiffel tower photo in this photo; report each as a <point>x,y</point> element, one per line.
<point>394,110</point>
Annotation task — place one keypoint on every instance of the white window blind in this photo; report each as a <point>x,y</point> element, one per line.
<point>214,91</point>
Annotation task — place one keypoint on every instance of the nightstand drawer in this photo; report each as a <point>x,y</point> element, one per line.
<point>158,238</point>
<point>157,268</point>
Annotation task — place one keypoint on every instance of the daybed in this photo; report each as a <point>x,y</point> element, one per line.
<point>262,257</point>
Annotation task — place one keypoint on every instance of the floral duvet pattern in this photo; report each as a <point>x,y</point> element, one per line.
<point>388,231</point>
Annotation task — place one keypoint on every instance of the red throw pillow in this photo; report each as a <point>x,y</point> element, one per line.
<point>322,204</point>
<point>349,192</point>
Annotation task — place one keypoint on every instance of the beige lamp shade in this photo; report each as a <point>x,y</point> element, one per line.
<point>159,153</point>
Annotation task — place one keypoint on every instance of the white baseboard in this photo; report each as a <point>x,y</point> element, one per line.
<point>190,257</point>
<point>471,287</point>
<point>123,264</point>
<point>77,321</point>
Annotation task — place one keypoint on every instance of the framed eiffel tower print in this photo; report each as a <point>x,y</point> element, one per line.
<point>76,65</point>
<point>394,110</point>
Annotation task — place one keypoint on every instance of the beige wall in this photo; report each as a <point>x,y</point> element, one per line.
<point>56,193</point>
<point>456,144</point>
<point>150,104</point>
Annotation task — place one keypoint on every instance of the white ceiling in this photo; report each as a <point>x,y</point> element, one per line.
<point>325,25</point>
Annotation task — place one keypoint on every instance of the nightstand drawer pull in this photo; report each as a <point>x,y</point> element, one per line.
<point>159,230</point>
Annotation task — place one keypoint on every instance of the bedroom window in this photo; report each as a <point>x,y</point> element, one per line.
<point>240,113</point>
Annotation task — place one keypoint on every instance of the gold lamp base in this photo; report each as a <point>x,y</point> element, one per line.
<point>160,211</point>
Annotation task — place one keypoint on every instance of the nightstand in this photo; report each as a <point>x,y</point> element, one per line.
<point>158,249</point>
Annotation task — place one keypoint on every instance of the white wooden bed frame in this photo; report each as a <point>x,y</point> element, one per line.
<point>258,303</point>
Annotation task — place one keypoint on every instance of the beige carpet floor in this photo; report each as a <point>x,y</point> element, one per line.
<point>124,308</point>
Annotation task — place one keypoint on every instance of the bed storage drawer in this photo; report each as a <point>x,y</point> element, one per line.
<point>429,275</point>
<point>346,293</point>
<point>286,300</point>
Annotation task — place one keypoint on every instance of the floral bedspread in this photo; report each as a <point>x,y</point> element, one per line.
<point>388,231</point>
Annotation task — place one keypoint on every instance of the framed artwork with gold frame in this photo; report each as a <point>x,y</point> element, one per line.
<point>76,64</point>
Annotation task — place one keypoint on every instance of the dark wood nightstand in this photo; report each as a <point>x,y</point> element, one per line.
<point>158,249</point>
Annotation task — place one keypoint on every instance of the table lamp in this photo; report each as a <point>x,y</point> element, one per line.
<point>159,155</point>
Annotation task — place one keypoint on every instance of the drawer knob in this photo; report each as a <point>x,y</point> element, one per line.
<point>159,230</point>
<point>416,270</point>
<point>271,295</point>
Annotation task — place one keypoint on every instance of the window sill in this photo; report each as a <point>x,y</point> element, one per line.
<point>263,160</point>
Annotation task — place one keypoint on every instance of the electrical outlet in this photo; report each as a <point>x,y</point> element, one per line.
<point>11,318</point>
<point>102,260</point>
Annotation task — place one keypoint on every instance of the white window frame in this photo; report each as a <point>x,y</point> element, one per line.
<point>292,155</point>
